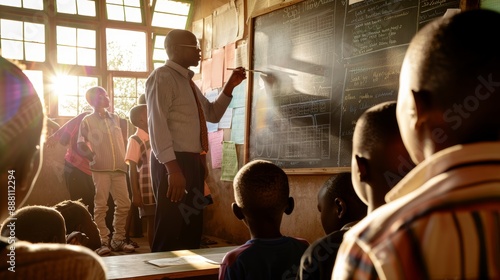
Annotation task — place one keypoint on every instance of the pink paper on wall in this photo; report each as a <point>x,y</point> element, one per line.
<point>217,67</point>
<point>228,60</point>
<point>215,142</point>
<point>206,77</point>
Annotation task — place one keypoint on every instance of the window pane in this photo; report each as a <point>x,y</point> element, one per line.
<point>169,20</point>
<point>66,36</point>
<point>115,12</point>
<point>160,42</point>
<point>122,106</point>
<point>86,8</point>
<point>11,29</point>
<point>36,78</point>
<point>126,50</point>
<point>86,38</point>
<point>12,49</point>
<point>68,106</point>
<point>33,4</point>
<point>172,7</point>
<point>133,14</point>
<point>85,83</point>
<point>159,55</point>
<point>34,32</point>
<point>119,2</point>
<point>66,55</point>
<point>141,87</point>
<point>124,87</point>
<point>12,3</point>
<point>86,57</point>
<point>134,3</point>
<point>35,52</point>
<point>66,6</point>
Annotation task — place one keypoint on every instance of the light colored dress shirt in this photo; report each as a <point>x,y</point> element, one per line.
<point>173,120</point>
<point>442,221</point>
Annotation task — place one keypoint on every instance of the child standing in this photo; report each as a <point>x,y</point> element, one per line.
<point>261,192</point>
<point>100,140</point>
<point>137,157</point>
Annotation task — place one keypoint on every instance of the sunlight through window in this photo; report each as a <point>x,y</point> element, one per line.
<point>22,40</point>
<point>71,93</point>
<point>28,4</point>
<point>130,10</point>
<point>171,14</point>
<point>126,50</point>
<point>76,46</point>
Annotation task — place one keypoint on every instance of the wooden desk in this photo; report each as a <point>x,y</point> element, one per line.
<point>136,266</point>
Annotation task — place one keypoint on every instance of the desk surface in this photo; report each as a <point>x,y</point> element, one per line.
<point>136,266</point>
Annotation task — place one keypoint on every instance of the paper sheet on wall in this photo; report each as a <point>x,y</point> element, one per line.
<point>217,67</point>
<point>194,259</point>
<point>241,56</point>
<point>206,77</point>
<point>225,25</point>
<point>229,161</point>
<point>198,28</point>
<point>215,141</point>
<point>225,121</point>
<point>239,95</point>
<point>207,37</point>
<point>211,95</point>
<point>229,51</point>
<point>238,126</point>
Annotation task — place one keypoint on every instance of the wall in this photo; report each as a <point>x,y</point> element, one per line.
<point>219,220</point>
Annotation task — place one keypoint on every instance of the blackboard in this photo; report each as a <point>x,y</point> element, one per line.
<point>326,63</point>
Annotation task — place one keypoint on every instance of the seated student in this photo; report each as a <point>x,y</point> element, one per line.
<point>137,157</point>
<point>441,219</point>
<point>78,219</point>
<point>21,117</point>
<point>261,193</point>
<point>37,224</point>
<point>340,209</point>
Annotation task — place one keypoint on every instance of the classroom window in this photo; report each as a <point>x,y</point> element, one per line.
<point>124,10</point>
<point>71,93</point>
<point>126,92</point>
<point>76,46</point>
<point>36,78</point>
<point>76,7</point>
<point>171,14</point>
<point>159,53</point>
<point>126,50</point>
<point>22,40</point>
<point>27,4</point>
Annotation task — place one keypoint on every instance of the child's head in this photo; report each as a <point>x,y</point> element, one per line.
<point>97,97</point>
<point>450,84</point>
<point>142,99</point>
<point>379,157</point>
<point>139,117</point>
<point>338,203</point>
<point>78,218</point>
<point>36,224</point>
<point>261,192</point>
<point>21,129</point>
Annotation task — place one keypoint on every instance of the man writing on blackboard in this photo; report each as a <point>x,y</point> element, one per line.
<point>177,113</point>
<point>442,219</point>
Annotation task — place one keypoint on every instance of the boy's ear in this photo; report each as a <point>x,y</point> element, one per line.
<point>363,166</point>
<point>290,206</point>
<point>237,211</point>
<point>341,207</point>
<point>423,105</point>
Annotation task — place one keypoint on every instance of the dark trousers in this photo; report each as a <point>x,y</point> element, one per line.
<point>178,225</point>
<point>80,185</point>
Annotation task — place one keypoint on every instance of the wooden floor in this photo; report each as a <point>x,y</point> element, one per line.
<point>144,246</point>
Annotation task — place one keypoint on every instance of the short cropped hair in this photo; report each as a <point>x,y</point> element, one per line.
<point>340,185</point>
<point>378,126</point>
<point>92,92</point>
<point>260,187</point>
<point>135,114</point>
<point>37,224</point>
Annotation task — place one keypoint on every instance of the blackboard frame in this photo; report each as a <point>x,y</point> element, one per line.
<point>464,5</point>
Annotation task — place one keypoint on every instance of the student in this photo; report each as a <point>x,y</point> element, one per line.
<point>137,157</point>
<point>78,219</point>
<point>261,193</point>
<point>440,220</point>
<point>177,115</point>
<point>340,209</point>
<point>100,140</point>
<point>21,117</point>
<point>77,174</point>
<point>37,224</point>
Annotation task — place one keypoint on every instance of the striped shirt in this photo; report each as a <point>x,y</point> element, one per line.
<point>138,151</point>
<point>442,222</point>
<point>173,120</point>
<point>104,137</point>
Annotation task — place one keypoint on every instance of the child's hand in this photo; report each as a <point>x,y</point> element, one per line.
<point>137,200</point>
<point>77,238</point>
